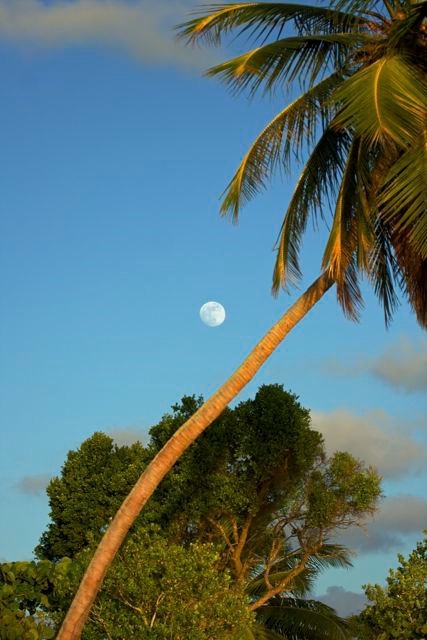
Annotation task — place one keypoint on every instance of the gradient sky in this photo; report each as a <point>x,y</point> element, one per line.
<point>115,151</point>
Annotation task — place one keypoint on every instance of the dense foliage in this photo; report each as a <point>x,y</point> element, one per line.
<point>157,590</point>
<point>230,543</point>
<point>93,481</point>
<point>27,591</point>
<point>399,611</point>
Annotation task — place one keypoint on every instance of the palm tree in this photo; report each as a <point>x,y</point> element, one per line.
<point>362,66</point>
<point>298,619</point>
<point>290,614</point>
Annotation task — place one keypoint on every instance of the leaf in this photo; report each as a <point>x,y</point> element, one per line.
<point>358,6</point>
<point>298,57</point>
<point>403,198</point>
<point>407,27</point>
<point>261,19</point>
<point>339,255</point>
<point>303,619</point>
<point>387,99</point>
<point>318,181</point>
<point>293,127</point>
<point>262,632</point>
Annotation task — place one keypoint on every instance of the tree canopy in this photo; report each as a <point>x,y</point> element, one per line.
<point>240,528</point>
<point>158,589</point>
<point>399,610</point>
<point>88,492</point>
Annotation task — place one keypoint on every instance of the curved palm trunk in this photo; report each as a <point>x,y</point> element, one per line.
<point>74,621</point>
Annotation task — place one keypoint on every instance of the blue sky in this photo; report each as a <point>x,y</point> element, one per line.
<point>115,151</point>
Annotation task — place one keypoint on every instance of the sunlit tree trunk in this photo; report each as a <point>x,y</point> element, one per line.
<point>74,621</point>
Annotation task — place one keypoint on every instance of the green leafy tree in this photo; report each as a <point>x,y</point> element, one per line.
<point>399,611</point>
<point>155,590</point>
<point>362,115</point>
<point>259,487</point>
<point>158,590</point>
<point>90,489</point>
<point>27,593</point>
<point>260,484</point>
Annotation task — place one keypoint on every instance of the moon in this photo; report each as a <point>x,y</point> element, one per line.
<point>212,313</point>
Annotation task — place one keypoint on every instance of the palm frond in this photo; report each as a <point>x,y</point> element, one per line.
<point>413,271</point>
<point>407,27</point>
<point>359,6</point>
<point>318,181</point>
<point>286,134</point>
<point>339,255</point>
<point>262,632</point>
<point>300,619</point>
<point>366,206</point>
<point>385,100</point>
<point>301,584</point>
<point>261,19</point>
<point>403,198</point>
<point>330,556</point>
<point>298,57</point>
<point>383,271</point>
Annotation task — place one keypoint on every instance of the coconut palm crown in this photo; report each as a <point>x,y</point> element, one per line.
<point>362,67</point>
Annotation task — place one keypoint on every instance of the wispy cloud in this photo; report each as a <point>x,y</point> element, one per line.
<point>142,28</point>
<point>345,603</point>
<point>33,485</point>
<point>403,365</point>
<point>373,437</point>
<point>398,518</point>
<point>127,435</point>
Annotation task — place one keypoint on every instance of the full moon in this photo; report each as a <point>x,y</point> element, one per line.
<point>212,314</point>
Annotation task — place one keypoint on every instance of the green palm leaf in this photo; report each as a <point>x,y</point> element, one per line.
<point>301,584</point>
<point>383,271</point>
<point>318,181</point>
<point>413,273</point>
<point>345,237</point>
<point>293,127</point>
<point>303,57</point>
<point>260,19</point>
<point>329,556</point>
<point>408,26</point>
<point>360,6</point>
<point>382,102</point>
<point>262,632</point>
<point>298,619</point>
<point>385,100</point>
<point>403,199</point>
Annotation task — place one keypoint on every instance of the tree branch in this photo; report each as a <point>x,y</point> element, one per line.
<point>222,531</point>
<point>237,553</point>
<point>274,591</point>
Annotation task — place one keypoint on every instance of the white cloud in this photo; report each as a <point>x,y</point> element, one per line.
<point>345,603</point>
<point>142,28</point>
<point>374,438</point>
<point>33,484</point>
<point>403,365</point>
<point>398,518</point>
<point>127,436</point>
